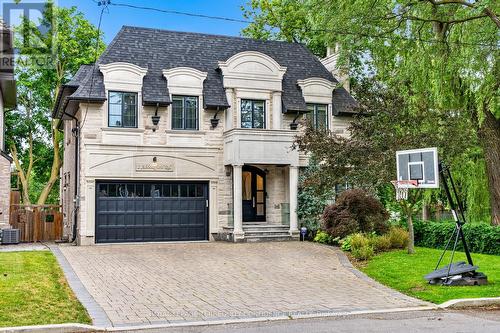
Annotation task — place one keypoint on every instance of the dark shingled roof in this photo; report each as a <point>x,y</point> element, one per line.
<point>343,103</point>
<point>158,50</point>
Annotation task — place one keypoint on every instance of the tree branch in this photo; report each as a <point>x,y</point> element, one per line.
<point>487,12</point>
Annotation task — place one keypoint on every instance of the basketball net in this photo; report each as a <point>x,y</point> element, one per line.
<point>402,192</point>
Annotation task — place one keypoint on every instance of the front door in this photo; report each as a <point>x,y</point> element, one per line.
<point>254,194</point>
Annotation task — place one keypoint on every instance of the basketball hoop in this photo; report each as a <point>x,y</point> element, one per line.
<point>401,187</point>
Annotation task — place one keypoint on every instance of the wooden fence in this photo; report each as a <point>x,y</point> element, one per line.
<point>37,222</point>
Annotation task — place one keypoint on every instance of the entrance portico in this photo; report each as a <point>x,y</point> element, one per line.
<point>271,200</point>
<point>264,181</point>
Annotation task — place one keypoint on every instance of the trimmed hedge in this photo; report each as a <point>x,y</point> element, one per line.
<point>481,237</point>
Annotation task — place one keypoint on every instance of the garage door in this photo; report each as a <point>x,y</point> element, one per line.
<point>153,211</point>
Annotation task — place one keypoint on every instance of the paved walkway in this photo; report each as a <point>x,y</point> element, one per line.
<point>24,247</point>
<point>160,283</point>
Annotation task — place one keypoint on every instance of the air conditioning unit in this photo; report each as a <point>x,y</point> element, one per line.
<point>10,236</point>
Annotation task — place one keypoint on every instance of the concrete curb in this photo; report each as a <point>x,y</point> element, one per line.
<point>344,261</point>
<point>463,303</point>
<point>81,328</point>
<point>56,328</point>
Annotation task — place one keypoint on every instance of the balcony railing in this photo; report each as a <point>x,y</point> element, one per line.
<point>260,146</point>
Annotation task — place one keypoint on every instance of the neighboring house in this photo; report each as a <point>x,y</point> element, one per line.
<point>7,101</point>
<point>187,136</point>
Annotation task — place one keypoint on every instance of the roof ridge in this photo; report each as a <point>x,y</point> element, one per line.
<point>207,34</point>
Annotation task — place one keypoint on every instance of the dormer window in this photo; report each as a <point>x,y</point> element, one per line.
<point>317,115</point>
<point>122,109</point>
<point>184,112</point>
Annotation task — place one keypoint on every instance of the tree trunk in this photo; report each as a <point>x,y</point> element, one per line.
<point>411,243</point>
<point>489,135</point>
<point>54,172</point>
<point>426,212</point>
<point>22,176</point>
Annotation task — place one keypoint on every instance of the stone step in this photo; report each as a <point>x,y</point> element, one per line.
<point>268,227</point>
<point>268,238</point>
<point>269,233</point>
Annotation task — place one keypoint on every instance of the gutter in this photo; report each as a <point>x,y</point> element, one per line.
<point>76,133</point>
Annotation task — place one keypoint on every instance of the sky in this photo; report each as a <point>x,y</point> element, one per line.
<point>119,16</point>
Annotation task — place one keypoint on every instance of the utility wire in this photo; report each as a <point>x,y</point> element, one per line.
<point>221,18</point>
<point>96,54</point>
<point>334,31</point>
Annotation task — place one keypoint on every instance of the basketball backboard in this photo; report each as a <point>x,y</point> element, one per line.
<point>418,166</point>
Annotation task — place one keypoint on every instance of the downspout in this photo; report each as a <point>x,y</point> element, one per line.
<point>76,133</point>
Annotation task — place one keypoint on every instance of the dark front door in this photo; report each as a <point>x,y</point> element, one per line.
<point>151,211</point>
<point>254,194</point>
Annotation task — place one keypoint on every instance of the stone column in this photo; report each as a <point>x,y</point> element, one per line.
<point>238,233</point>
<point>277,112</point>
<point>230,110</point>
<point>294,183</point>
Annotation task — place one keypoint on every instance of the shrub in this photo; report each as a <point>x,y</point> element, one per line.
<point>322,237</point>
<point>355,211</point>
<point>363,253</point>
<point>399,237</point>
<point>358,241</point>
<point>481,237</point>
<point>311,198</point>
<point>380,243</point>
<point>345,244</point>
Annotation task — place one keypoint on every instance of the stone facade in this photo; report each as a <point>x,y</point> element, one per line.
<point>5,163</point>
<point>4,192</point>
<point>214,155</point>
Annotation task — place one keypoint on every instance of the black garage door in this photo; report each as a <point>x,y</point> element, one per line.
<point>152,211</point>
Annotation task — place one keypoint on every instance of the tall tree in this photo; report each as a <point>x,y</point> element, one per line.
<point>34,141</point>
<point>446,50</point>
<point>366,157</point>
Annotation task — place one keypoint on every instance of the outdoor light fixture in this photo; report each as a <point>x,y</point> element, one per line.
<point>303,233</point>
<point>154,164</point>
<point>156,118</point>
<point>215,121</point>
<point>294,125</point>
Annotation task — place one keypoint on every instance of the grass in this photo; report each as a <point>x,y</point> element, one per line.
<point>33,291</point>
<point>404,272</point>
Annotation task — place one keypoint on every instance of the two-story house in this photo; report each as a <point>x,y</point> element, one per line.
<point>7,101</point>
<point>176,136</point>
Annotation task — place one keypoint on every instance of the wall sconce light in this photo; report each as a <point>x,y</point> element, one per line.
<point>155,162</point>
<point>156,117</point>
<point>294,124</point>
<point>215,121</point>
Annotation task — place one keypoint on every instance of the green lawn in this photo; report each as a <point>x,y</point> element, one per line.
<point>405,272</point>
<point>33,291</point>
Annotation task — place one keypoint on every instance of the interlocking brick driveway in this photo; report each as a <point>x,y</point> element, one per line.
<point>158,283</point>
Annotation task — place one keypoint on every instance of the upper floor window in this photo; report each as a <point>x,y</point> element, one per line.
<point>318,115</point>
<point>122,110</point>
<point>184,112</point>
<point>252,114</point>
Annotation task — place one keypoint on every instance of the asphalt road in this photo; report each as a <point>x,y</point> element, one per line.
<point>481,320</point>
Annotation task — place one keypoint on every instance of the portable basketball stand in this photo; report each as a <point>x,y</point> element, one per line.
<point>458,273</point>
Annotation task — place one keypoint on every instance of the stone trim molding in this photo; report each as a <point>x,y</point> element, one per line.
<point>122,72</point>
<point>316,81</point>
<point>253,66</point>
<point>315,87</point>
<point>185,80</point>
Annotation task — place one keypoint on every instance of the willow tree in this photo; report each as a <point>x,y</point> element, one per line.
<point>440,53</point>
<point>48,61</point>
